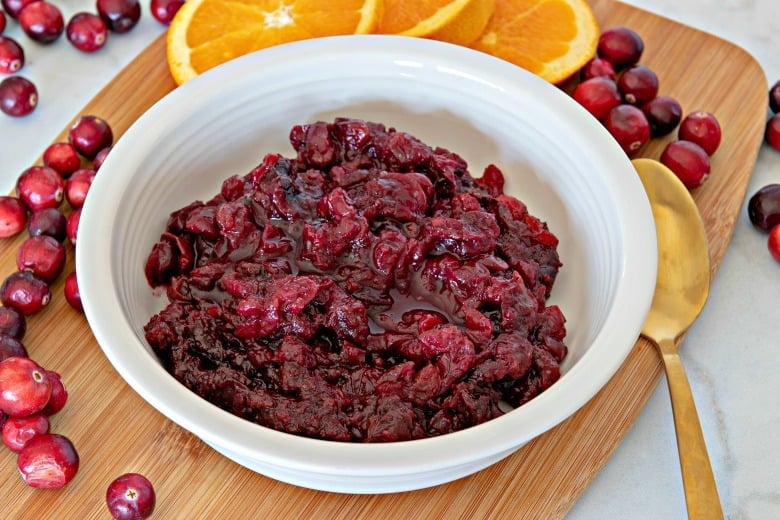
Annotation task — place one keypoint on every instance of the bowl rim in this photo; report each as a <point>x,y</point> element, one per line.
<point>633,294</point>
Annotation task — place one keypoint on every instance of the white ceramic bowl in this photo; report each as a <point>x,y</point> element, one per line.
<point>556,157</point>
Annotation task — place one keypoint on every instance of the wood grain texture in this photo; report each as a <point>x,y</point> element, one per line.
<point>115,431</point>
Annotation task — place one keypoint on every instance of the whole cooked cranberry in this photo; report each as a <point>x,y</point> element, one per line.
<point>638,84</point>
<point>78,185</point>
<point>620,46</point>
<point>24,386</point>
<point>13,216</point>
<point>164,10</point>
<point>25,292</point>
<point>72,293</point>
<point>629,126</point>
<point>702,128</point>
<point>663,113</point>
<point>48,221</point>
<point>13,7</point>
<point>18,430</point>
<point>120,15</point>
<point>598,95</point>
<point>597,67</point>
<point>42,21</point>
<point>41,255</point>
<point>774,98</point>
<point>59,394</point>
<point>40,187</point>
<point>72,225</point>
<point>688,161</point>
<point>90,134</point>
<point>48,461</point>
<point>773,242</point>
<point>772,132</point>
<point>764,207</point>
<point>12,323</point>
<point>11,347</point>
<point>18,96</point>
<point>130,497</point>
<point>97,162</point>
<point>11,55</point>
<point>62,157</point>
<point>87,32</point>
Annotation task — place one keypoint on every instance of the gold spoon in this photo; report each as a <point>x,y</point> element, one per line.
<point>681,290</point>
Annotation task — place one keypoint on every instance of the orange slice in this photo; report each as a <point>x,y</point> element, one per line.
<point>468,25</point>
<point>551,38</point>
<point>206,33</point>
<point>456,21</point>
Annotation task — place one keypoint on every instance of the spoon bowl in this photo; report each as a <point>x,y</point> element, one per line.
<point>682,288</point>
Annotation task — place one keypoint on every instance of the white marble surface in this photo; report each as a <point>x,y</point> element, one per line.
<point>731,353</point>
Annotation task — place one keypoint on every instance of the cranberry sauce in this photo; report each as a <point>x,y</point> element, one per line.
<point>285,290</point>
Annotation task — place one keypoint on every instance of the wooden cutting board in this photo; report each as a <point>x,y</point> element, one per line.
<point>115,431</point>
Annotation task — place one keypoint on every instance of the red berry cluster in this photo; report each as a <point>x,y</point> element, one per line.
<point>764,206</point>
<point>30,394</point>
<point>42,22</point>
<point>624,95</point>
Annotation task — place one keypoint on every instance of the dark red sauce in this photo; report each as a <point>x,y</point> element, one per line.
<point>368,289</point>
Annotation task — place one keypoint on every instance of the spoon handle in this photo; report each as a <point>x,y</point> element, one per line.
<point>701,493</point>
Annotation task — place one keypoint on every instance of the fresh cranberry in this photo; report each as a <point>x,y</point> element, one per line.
<point>72,293</point>
<point>40,187</point>
<point>598,95</point>
<point>41,255</point>
<point>59,394</point>
<point>12,323</point>
<point>663,113</point>
<point>90,134</point>
<point>620,46</point>
<point>688,161</point>
<point>120,15</point>
<point>702,128</point>
<point>72,225</point>
<point>597,67</point>
<point>638,84</point>
<point>13,216</point>
<point>25,292</point>
<point>87,32</point>
<point>48,221</point>
<point>774,98</point>
<point>629,126</point>
<point>764,207</point>
<point>13,7</point>
<point>18,96</point>
<point>11,55</point>
<point>164,10</point>
<point>130,497</point>
<point>62,157</point>
<point>773,242</point>
<point>2,22</point>
<point>48,461</point>
<point>17,431</point>
<point>97,162</point>
<point>77,187</point>
<point>42,21</point>
<point>11,347</point>
<point>772,133</point>
<point>24,387</point>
